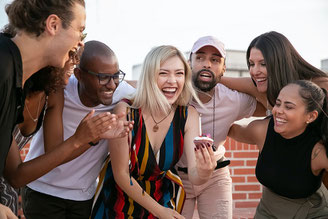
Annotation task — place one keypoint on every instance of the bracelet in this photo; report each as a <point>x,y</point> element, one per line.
<point>93,144</point>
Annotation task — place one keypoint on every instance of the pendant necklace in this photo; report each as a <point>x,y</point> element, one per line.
<point>156,127</point>
<point>37,112</point>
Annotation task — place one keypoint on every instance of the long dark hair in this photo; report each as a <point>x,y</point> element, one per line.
<point>315,98</point>
<point>283,63</point>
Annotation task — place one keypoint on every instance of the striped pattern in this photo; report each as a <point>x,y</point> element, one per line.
<point>159,180</point>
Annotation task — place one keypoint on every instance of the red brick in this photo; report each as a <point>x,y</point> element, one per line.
<point>231,141</point>
<point>254,195</point>
<point>245,171</point>
<point>245,154</point>
<point>238,179</point>
<point>240,146</point>
<point>246,147</point>
<point>234,163</point>
<point>252,179</point>
<point>246,204</point>
<point>238,196</point>
<point>228,155</point>
<point>247,187</point>
<point>227,143</point>
<point>251,163</point>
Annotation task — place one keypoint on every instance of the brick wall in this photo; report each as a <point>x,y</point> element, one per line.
<point>246,190</point>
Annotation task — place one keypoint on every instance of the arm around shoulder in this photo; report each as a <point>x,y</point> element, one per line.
<point>242,84</point>
<point>252,133</point>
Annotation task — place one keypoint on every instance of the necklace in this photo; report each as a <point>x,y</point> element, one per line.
<point>156,127</point>
<point>213,121</point>
<point>37,113</point>
<point>268,112</point>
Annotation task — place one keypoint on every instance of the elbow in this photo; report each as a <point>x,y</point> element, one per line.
<point>15,182</point>
<point>121,178</point>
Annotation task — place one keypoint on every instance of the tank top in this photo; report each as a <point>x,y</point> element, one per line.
<point>284,165</point>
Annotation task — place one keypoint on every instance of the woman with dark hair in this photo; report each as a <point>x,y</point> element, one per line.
<point>273,62</point>
<point>293,145</point>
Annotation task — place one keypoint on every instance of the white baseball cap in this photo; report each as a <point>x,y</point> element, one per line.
<point>209,41</point>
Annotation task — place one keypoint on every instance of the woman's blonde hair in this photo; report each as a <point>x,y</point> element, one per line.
<point>148,95</point>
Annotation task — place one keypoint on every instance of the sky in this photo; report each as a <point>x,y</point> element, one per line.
<point>132,27</point>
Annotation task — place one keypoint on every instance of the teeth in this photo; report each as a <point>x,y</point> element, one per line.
<point>205,75</point>
<point>108,92</point>
<point>169,89</point>
<point>260,80</point>
<point>280,120</point>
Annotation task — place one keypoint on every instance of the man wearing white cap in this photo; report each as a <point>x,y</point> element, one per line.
<point>223,106</point>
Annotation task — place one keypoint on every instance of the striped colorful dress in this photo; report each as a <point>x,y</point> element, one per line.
<point>155,174</point>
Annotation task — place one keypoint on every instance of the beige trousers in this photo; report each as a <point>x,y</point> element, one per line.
<point>214,198</point>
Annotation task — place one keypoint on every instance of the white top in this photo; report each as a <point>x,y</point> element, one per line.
<point>75,180</point>
<point>230,106</point>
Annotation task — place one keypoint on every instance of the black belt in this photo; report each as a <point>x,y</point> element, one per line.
<point>219,165</point>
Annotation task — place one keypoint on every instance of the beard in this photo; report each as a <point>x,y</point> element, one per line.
<point>204,86</point>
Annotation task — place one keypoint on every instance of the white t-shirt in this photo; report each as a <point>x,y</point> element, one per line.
<point>230,106</point>
<point>75,180</point>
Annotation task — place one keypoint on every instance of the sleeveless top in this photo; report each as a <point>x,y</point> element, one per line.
<point>154,173</point>
<point>284,165</point>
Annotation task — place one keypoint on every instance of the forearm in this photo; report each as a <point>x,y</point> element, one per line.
<point>242,84</point>
<point>75,153</point>
<point>240,133</point>
<point>31,170</point>
<point>136,193</point>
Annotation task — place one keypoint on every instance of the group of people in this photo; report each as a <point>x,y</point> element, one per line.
<point>139,142</point>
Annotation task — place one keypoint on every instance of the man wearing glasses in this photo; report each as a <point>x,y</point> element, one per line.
<point>67,191</point>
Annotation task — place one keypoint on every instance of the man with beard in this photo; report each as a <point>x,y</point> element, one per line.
<point>67,191</point>
<point>223,106</point>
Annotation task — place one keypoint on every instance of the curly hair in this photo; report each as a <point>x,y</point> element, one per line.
<point>47,79</point>
<point>30,15</point>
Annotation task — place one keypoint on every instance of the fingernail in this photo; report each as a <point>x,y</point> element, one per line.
<point>195,148</point>
<point>203,146</point>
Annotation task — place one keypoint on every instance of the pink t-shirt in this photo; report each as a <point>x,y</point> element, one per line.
<point>230,106</point>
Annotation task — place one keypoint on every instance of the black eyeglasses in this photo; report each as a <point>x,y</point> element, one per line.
<point>105,78</point>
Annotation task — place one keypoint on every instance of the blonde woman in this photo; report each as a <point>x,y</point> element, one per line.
<point>141,181</point>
